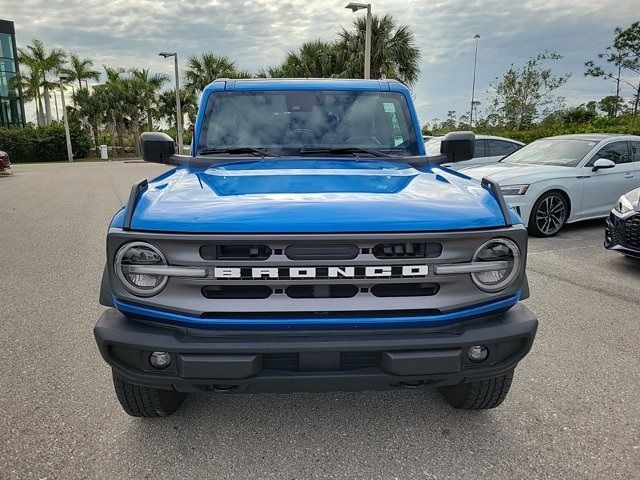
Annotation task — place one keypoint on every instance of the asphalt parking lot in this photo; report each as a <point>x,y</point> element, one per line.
<point>573,411</point>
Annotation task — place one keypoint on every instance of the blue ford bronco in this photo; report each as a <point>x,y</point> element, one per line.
<point>307,243</point>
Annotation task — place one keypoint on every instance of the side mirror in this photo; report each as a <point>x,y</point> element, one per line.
<point>156,147</point>
<point>458,146</point>
<point>603,163</point>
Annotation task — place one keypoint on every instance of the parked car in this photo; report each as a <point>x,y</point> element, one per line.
<point>622,230</point>
<point>488,149</point>
<point>567,178</point>
<point>5,164</point>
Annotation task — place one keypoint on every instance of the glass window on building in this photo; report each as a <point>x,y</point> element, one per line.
<point>10,102</point>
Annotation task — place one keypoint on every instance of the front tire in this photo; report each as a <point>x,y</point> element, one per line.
<point>478,395</point>
<point>549,214</point>
<point>140,401</point>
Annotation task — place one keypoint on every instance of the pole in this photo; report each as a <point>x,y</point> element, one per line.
<point>178,108</point>
<point>473,86</point>
<point>367,46</point>
<point>66,125</point>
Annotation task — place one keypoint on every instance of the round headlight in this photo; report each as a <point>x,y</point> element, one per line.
<point>139,254</point>
<point>497,250</point>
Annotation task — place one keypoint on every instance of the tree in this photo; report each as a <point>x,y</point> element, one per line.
<point>28,82</point>
<point>150,85</point>
<point>628,41</point>
<point>393,50</point>
<point>167,105</point>
<point>616,57</point>
<point>314,59</point>
<point>47,63</point>
<point>92,108</point>
<point>205,68</point>
<point>610,105</point>
<point>80,69</point>
<point>523,91</point>
<point>112,94</point>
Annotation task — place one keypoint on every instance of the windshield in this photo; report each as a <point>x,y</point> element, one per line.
<point>561,152</point>
<point>286,122</point>
<point>432,146</point>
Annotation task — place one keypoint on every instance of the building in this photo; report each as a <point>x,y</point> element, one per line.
<point>11,104</point>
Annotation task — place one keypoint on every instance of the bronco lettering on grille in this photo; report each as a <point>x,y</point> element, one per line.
<point>396,271</point>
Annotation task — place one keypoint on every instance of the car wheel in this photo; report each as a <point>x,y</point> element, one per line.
<point>549,214</point>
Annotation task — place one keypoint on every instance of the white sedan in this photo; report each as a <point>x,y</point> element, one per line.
<point>564,179</point>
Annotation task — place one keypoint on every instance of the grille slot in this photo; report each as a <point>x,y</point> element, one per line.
<point>405,289</point>
<point>237,291</point>
<point>321,291</point>
<point>322,252</point>
<point>235,252</point>
<point>358,360</point>
<point>285,362</point>
<point>632,231</point>
<point>407,250</point>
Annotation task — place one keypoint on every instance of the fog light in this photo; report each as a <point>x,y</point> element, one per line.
<point>160,360</point>
<point>478,353</point>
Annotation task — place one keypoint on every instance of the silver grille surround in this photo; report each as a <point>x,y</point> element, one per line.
<point>184,294</point>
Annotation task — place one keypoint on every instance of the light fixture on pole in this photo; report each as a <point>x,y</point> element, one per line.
<point>66,121</point>
<point>354,7</point>
<point>473,85</point>
<point>178,108</point>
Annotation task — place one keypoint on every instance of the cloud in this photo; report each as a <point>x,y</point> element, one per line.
<point>258,33</point>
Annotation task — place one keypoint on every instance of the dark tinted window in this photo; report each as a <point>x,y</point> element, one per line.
<point>501,148</point>
<point>635,151</point>
<point>480,150</point>
<point>616,151</point>
<point>291,120</point>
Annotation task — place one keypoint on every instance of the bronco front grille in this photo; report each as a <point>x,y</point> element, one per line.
<point>317,276</point>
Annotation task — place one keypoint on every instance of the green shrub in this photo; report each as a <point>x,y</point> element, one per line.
<point>42,144</point>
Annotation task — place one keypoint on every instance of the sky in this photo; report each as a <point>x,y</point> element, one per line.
<point>258,33</point>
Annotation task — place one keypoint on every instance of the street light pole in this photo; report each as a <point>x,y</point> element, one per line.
<point>473,86</point>
<point>354,7</point>
<point>178,106</point>
<point>66,122</point>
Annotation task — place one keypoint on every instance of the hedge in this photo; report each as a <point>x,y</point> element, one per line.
<point>42,144</point>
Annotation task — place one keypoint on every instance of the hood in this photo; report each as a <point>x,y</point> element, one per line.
<point>511,174</point>
<point>313,196</point>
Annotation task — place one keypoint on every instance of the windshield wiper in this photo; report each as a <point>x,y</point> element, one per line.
<point>255,151</point>
<point>338,150</point>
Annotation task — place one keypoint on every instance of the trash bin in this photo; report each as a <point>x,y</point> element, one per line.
<point>104,153</point>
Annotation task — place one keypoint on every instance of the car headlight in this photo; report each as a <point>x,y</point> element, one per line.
<point>624,205</point>
<point>139,254</point>
<point>503,253</point>
<point>514,189</point>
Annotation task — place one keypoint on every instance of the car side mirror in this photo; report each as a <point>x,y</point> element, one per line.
<point>458,146</point>
<point>603,163</point>
<point>156,147</point>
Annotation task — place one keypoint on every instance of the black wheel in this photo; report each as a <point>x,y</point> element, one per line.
<point>479,395</point>
<point>549,214</point>
<point>139,401</point>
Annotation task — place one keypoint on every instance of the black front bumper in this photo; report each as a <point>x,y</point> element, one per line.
<point>204,360</point>
<point>623,234</point>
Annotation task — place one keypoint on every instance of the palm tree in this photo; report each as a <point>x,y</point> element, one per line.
<point>91,106</point>
<point>150,85</point>
<point>28,81</point>
<point>80,69</point>
<point>113,100</point>
<point>315,59</point>
<point>167,105</point>
<point>204,69</point>
<point>393,50</point>
<point>47,63</point>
